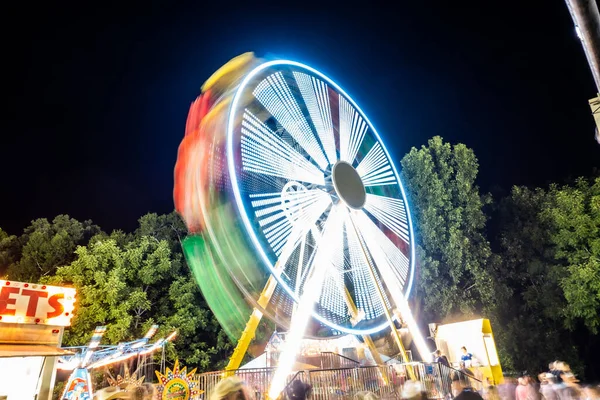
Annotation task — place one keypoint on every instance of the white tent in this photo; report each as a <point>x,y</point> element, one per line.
<point>258,362</point>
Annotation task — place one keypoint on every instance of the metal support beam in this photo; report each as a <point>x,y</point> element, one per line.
<point>587,25</point>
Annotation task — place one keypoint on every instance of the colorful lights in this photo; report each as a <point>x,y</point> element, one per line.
<point>277,96</point>
<point>96,356</point>
<point>26,303</point>
<point>255,179</point>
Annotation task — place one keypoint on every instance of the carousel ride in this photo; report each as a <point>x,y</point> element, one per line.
<point>295,210</point>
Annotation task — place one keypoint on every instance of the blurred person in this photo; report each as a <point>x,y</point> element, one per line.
<point>145,391</point>
<point>413,390</point>
<point>525,389</point>
<point>445,373</point>
<point>570,390</point>
<point>462,367</point>
<point>365,395</point>
<point>441,358</point>
<point>507,389</point>
<point>591,393</point>
<point>490,391</point>
<point>466,391</point>
<point>548,386</point>
<point>466,357</point>
<point>298,390</point>
<point>231,388</point>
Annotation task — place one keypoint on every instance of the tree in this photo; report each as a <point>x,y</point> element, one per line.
<point>9,251</point>
<point>575,214</point>
<point>453,253</point>
<point>129,282</point>
<point>44,246</point>
<point>533,332</point>
<point>549,246</point>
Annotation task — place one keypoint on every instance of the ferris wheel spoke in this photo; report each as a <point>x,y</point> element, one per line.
<point>374,163</point>
<point>316,98</point>
<point>363,284</point>
<point>391,212</point>
<point>264,152</point>
<point>328,257</point>
<point>283,225</point>
<point>333,293</point>
<point>392,264</point>
<point>276,96</point>
<point>352,131</point>
<point>380,180</point>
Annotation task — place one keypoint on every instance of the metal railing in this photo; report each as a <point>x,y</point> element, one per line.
<point>330,360</point>
<point>386,381</point>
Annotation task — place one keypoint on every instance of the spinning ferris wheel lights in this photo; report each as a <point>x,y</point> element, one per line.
<point>285,169</point>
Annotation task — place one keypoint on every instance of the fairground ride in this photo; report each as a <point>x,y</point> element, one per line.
<point>294,204</point>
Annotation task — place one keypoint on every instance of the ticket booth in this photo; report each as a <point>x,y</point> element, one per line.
<point>32,320</point>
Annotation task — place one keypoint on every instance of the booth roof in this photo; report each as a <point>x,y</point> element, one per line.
<point>31,350</point>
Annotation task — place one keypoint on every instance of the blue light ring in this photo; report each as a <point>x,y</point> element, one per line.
<point>242,209</point>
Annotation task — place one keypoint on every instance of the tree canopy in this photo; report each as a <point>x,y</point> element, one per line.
<point>536,274</point>
<point>453,253</point>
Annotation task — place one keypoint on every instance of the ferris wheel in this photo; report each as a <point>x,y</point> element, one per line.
<point>297,197</point>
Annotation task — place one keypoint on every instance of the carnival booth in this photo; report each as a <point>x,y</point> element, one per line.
<point>477,338</point>
<point>32,320</point>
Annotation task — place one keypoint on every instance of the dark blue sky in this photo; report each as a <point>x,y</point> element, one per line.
<point>99,96</point>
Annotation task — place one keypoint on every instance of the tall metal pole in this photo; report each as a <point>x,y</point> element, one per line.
<point>587,25</point>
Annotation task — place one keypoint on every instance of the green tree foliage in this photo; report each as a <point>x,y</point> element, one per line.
<point>532,332</point>
<point>448,209</point>
<point>9,251</point>
<point>43,247</point>
<point>549,244</point>
<point>129,282</point>
<point>574,214</point>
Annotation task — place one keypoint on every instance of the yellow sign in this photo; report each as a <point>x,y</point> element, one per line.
<point>176,389</point>
<point>178,384</point>
<point>29,303</point>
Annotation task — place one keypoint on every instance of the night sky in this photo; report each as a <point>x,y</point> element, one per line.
<point>98,97</point>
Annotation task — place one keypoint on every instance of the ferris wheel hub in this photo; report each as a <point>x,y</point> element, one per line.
<point>348,185</point>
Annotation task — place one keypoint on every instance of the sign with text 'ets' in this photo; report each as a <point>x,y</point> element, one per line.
<point>28,303</point>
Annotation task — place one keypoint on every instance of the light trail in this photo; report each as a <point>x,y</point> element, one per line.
<point>316,97</point>
<point>264,152</point>
<point>310,296</point>
<point>352,131</point>
<point>276,96</point>
<point>391,212</point>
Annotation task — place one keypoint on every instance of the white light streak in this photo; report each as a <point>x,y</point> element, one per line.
<point>391,212</point>
<point>303,210</point>
<point>413,328</point>
<point>265,152</point>
<point>391,263</point>
<point>379,250</point>
<point>364,287</point>
<point>333,297</point>
<point>375,167</point>
<point>311,294</point>
<point>275,95</point>
<point>316,97</point>
<point>352,131</point>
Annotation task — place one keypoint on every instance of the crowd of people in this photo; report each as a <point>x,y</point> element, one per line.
<point>558,383</point>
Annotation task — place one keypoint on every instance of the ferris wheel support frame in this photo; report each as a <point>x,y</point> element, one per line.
<point>387,312</point>
<point>250,330</point>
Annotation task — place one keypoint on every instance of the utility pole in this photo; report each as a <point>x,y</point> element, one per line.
<point>587,25</point>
